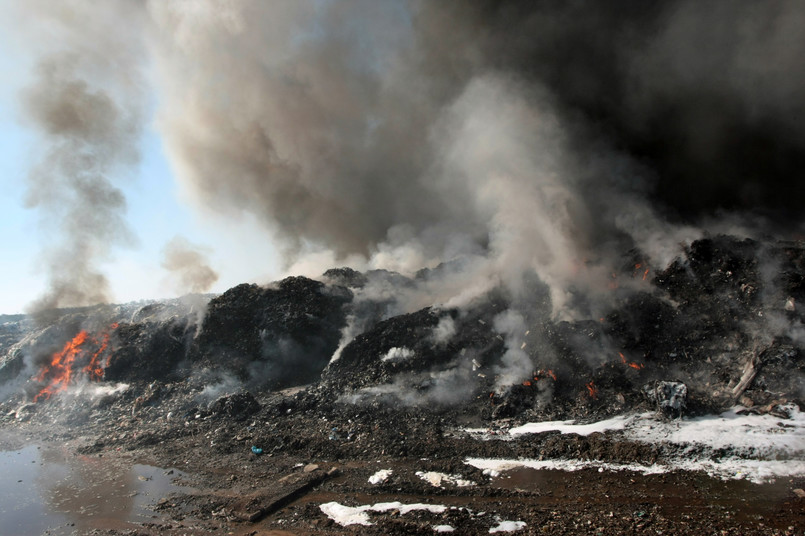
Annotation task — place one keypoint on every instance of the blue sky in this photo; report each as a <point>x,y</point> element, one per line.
<point>240,250</point>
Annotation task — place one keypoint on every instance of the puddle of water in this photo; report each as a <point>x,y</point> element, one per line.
<point>47,490</point>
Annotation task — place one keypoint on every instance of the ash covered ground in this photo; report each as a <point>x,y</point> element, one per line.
<point>337,405</point>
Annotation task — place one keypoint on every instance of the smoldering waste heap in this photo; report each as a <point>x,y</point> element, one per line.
<point>340,371</point>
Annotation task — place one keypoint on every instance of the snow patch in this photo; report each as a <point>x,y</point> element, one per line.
<point>758,447</point>
<point>757,471</point>
<point>437,480</point>
<point>380,476</point>
<point>751,435</point>
<point>443,528</point>
<point>357,515</point>
<point>569,427</point>
<point>346,515</point>
<point>762,436</point>
<point>508,526</point>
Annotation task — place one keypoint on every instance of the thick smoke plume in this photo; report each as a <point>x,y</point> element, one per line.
<point>85,104</point>
<point>544,135</point>
<point>507,139</point>
<point>494,143</point>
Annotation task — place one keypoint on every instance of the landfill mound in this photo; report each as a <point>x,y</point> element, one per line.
<point>725,321</point>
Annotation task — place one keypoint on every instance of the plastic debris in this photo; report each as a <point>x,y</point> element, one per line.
<point>256,450</point>
<point>669,396</point>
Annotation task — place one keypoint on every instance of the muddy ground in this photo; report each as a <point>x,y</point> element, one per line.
<point>317,454</point>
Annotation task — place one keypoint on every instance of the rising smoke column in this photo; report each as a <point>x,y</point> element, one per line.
<point>531,137</point>
<point>341,124</point>
<point>85,103</point>
<point>318,116</point>
<point>313,116</point>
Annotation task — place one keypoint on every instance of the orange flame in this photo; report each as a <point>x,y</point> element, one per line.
<point>63,366</point>
<point>542,373</point>
<point>637,268</point>
<point>636,366</point>
<point>592,390</point>
<point>623,358</point>
<point>527,383</point>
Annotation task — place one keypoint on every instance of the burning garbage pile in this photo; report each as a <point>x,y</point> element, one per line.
<point>335,370</point>
<point>709,331</point>
<point>85,354</point>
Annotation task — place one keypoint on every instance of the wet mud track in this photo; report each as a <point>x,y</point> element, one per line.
<point>588,501</point>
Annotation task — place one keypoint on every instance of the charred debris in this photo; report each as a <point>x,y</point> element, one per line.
<point>720,326</point>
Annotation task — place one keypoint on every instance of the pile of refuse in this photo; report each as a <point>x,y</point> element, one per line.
<point>721,325</point>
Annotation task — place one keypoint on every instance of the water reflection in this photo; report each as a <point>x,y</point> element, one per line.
<point>50,490</point>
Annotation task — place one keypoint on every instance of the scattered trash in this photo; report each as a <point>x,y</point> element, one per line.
<point>256,450</point>
<point>669,396</point>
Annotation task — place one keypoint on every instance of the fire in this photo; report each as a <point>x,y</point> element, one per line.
<point>527,383</point>
<point>94,370</point>
<point>66,364</point>
<point>542,373</point>
<point>637,268</point>
<point>634,365</point>
<point>592,390</point>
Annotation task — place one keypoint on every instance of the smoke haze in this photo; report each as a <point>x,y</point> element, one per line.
<point>85,102</point>
<point>544,135</point>
<point>523,137</point>
<point>186,262</point>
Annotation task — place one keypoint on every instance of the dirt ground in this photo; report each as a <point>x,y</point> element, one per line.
<point>311,456</point>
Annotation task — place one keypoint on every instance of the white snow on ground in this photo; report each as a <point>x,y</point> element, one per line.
<point>761,447</point>
<point>498,466</point>
<point>380,476</point>
<point>508,526</point>
<point>763,436</point>
<point>357,515</point>
<point>443,528</point>
<point>437,480</point>
<point>346,515</point>
<point>727,469</point>
<point>568,427</point>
